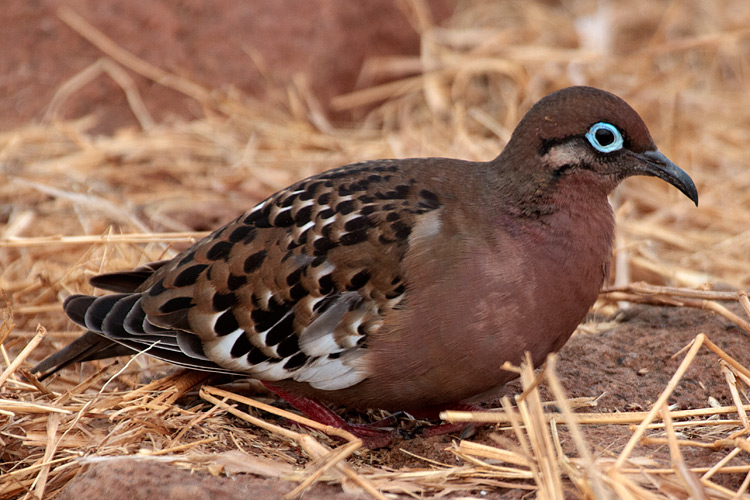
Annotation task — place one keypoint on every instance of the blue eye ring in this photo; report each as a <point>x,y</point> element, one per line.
<point>614,145</point>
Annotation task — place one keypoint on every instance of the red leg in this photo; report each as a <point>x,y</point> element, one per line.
<point>376,434</point>
<point>373,435</point>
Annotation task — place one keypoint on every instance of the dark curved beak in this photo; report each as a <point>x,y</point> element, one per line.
<point>656,164</point>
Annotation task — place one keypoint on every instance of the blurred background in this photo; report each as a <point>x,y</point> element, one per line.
<point>143,104</point>
<point>130,128</point>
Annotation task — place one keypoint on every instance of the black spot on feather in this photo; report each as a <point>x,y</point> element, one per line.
<point>220,250</point>
<point>176,304</point>
<point>241,233</point>
<point>253,262</point>
<point>288,346</point>
<point>295,361</point>
<point>283,219</point>
<point>226,324</point>
<point>256,356</point>
<point>358,280</point>
<point>188,276</point>
<point>223,301</point>
<point>280,330</point>
<point>236,281</point>
<point>241,346</point>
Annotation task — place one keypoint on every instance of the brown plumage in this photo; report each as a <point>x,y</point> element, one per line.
<point>395,284</point>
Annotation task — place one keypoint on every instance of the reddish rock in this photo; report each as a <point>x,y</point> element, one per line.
<point>128,479</point>
<point>325,40</point>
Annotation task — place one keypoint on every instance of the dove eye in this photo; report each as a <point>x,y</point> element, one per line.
<point>605,137</point>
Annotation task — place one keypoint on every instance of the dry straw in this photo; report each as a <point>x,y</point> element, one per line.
<point>79,203</point>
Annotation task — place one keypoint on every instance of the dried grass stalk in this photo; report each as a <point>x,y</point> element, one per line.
<point>80,204</point>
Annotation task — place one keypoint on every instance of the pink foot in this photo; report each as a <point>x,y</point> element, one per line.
<point>374,435</point>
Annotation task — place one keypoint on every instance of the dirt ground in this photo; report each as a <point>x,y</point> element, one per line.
<point>259,48</point>
<point>625,367</point>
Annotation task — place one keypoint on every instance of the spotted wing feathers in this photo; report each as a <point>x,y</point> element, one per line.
<point>292,289</point>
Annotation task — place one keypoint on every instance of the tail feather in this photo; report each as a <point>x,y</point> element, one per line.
<point>126,281</point>
<point>115,317</point>
<point>177,356</point>
<point>99,310</point>
<point>118,326</point>
<point>88,347</point>
<point>76,306</point>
